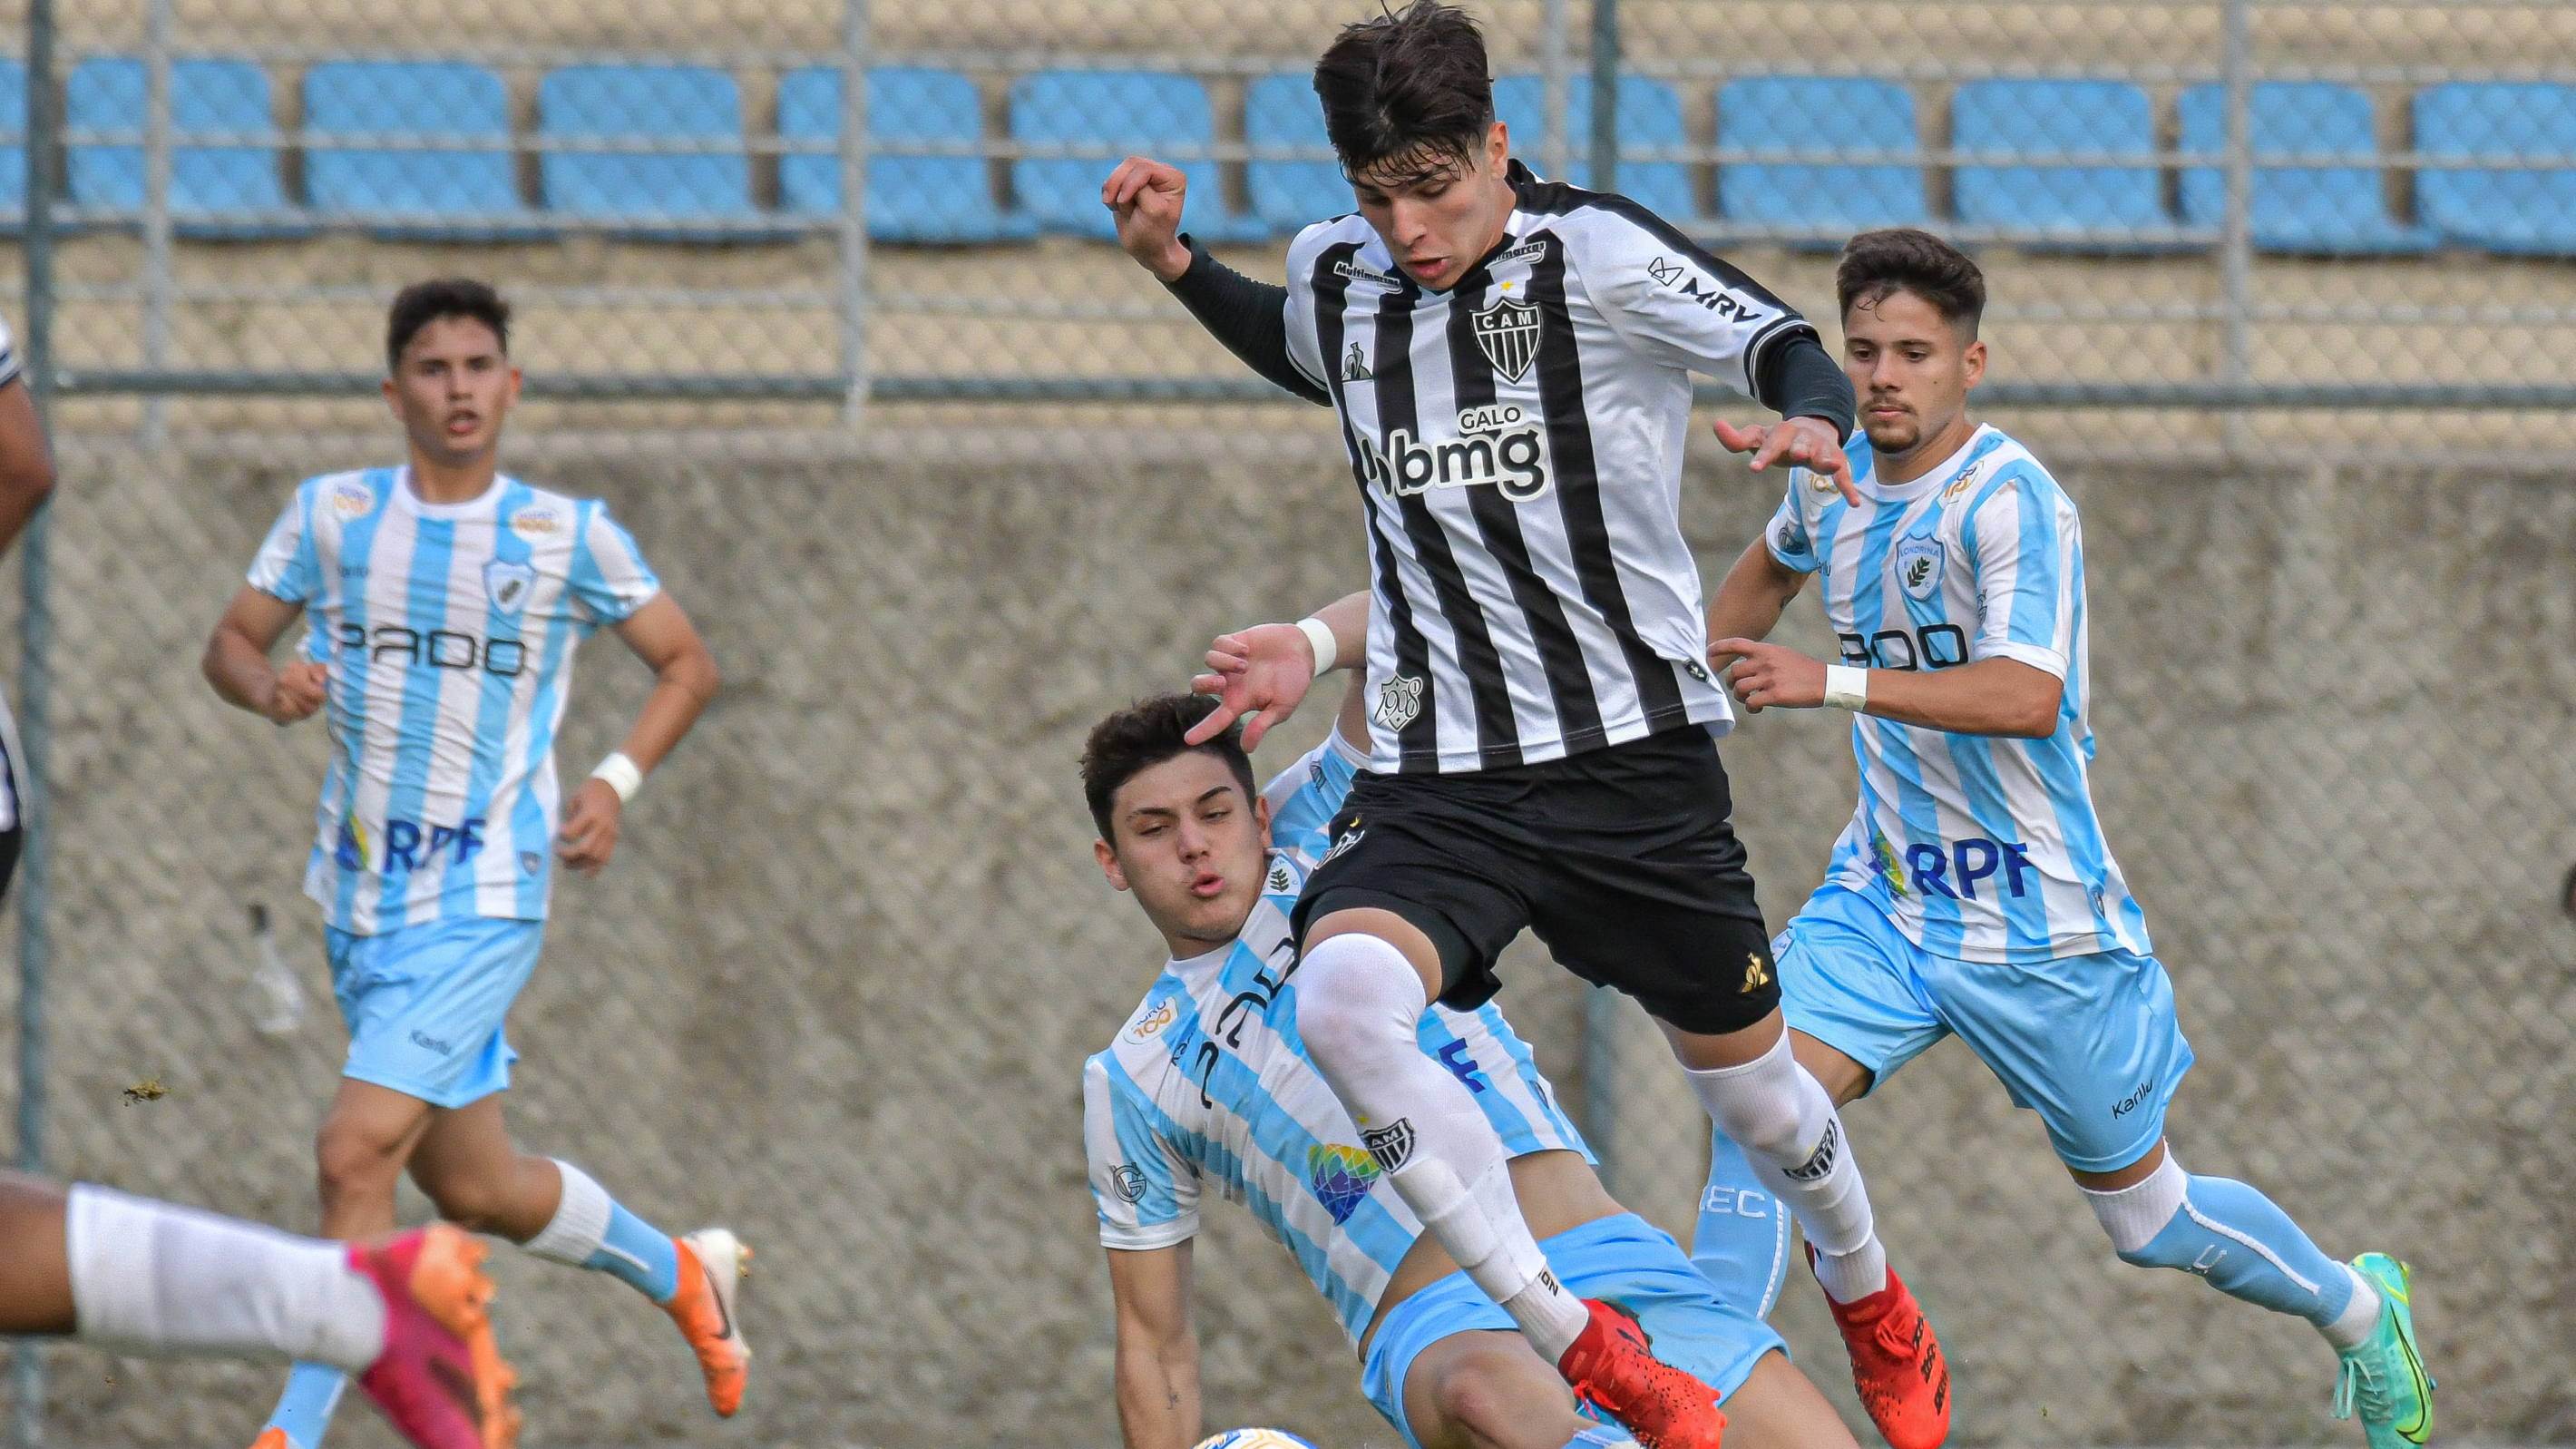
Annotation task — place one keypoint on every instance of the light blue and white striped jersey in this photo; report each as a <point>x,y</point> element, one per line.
<point>1208,1081</point>
<point>449,631</point>
<point>1978,848</point>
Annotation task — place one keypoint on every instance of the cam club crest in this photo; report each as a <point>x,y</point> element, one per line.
<point>1399,701</point>
<point>1508,333</point>
<point>1919,566</point>
<point>508,583</point>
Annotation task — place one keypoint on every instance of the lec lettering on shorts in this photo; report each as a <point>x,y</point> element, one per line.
<point>1955,872</point>
<point>1934,646</point>
<point>1742,1202</point>
<point>437,648</point>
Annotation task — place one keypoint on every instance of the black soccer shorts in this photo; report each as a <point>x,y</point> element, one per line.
<point>1621,859</point>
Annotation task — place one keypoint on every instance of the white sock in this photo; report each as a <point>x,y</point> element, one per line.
<point>1785,1122</point>
<point>1359,1008</point>
<point>580,1223</point>
<point>2352,1328</point>
<point>150,1278</point>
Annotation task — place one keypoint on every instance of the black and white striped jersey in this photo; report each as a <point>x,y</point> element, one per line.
<point>1518,442</point>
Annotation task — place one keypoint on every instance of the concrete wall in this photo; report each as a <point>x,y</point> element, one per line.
<point>837,986</point>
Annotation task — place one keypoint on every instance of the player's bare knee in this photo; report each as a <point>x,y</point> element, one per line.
<point>1488,1389</point>
<point>352,1161</point>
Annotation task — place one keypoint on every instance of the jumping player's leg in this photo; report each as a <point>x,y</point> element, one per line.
<point>146,1277</point>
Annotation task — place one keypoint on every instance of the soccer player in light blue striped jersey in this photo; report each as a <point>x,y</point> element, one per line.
<point>1208,1086</point>
<point>444,602</point>
<point>1973,892</point>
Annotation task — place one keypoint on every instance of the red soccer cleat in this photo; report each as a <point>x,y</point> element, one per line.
<point>1897,1365</point>
<point>712,1264</point>
<point>440,1380</point>
<point>1614,1369</point>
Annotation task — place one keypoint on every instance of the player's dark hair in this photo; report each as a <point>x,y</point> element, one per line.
<point>1145,734</point>
<point>1409,88</point>
<point>422,303</point>
<point>1906,259</point>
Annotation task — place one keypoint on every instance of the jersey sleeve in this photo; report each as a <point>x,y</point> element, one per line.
<point>1303,352</point>
<point>610,579</point>
<point>2024,542</point>
<point>1791,534</point>
<point>1147,1194</point>
<point>1306,796</point>
<point>286,566</point>
<point>1680,306</point>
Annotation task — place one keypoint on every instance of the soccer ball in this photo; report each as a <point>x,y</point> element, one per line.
<point>1255,1439</point>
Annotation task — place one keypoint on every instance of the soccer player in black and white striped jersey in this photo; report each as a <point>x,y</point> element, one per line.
<point>1510,361</point>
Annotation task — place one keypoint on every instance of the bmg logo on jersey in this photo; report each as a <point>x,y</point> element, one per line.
<point>1499,445</point>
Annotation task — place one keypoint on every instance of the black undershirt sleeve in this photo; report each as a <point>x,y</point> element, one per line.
<point>1251,319</point>
<point>1801,380</point>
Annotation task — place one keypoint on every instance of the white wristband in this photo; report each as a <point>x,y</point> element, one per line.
<point>621,774</point>
<point>1846,687</point>
<point>1327,649</point>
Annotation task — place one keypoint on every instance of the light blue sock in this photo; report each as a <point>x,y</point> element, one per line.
<point>304,1410</point>
<point>1606,1436</point>
<point>1742,1242</point>
<point>2248,1248</point>
<point>639,1253</point>
<point>590,1230</point>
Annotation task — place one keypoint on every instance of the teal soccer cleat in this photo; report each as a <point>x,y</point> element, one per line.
<point>2383,1378</point>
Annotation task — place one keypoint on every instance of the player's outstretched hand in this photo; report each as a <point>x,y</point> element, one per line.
<point>590,822</point>
<point>1807,443</point>
<point>1772,676</point>
<point>1145,195</point>
<point>1257,675</point>
<point>299,691</point>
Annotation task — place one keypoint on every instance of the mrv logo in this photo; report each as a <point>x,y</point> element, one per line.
<point>1500,444</point>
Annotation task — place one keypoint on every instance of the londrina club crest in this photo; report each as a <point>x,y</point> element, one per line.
<point>1508,334</point>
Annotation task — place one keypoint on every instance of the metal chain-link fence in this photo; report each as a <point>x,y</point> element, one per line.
<point>2281,291</point>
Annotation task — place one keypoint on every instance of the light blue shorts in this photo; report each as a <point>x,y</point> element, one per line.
<point>2089,1042</point>
<point>424,1004</point>
<point>1623,1260</point>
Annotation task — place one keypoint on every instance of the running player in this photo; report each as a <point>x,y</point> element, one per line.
<point>1510,360</point>
<point>1206,1086</point>
<point>447,600</point>
<point>405,1314</point>
<point>1972,892</point>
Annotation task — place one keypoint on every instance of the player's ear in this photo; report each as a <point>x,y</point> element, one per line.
<point>1973,361</point>
<point>1102,851</point>
<point>1498,147</point>
<point>1261,819</point>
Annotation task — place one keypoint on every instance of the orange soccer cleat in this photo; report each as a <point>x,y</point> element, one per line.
<point>1897,1365</point>
<point>1612,1367</point>
<point>712,1262</point>
<point>440,1381</point>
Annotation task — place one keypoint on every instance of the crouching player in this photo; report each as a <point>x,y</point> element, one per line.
<point>1208,1081</point>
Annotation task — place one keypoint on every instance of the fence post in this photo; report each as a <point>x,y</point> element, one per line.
<point>854,209</point>
<point>1554,151</point>
<point>2236,247</point>
<point>35,946</point>
<point>156,209</point>
<point>1605,95</point>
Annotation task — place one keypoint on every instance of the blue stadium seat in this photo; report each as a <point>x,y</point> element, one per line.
<point>911,197</point>
<point>1281,110</point>
<point>2006,119</point>
<point>1818,113</point>
<point>410,193</point>
<point>2525,210</point>
<point>207,97</point>
<point>1650,118</point>
<point>1116,112</point>
<point>13,154</point>
<point>2319,210</point>
<point>644,103</point>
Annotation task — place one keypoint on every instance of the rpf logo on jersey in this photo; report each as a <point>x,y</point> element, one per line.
<point>1399,701</point>
<point>1507,333</point>
<point>508,583</point>
<point>1920,562</point>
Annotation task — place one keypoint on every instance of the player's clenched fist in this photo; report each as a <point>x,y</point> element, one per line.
<point>1145,195</point>
<point>299,691</point>
<point>590,827</point>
